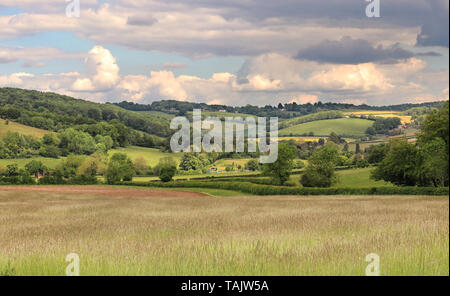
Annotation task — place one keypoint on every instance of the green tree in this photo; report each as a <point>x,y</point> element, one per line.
<point>12,170</point>
<point>377,153</point>
<point>252,165</point>
<point>280,170</point>
<point>120,168</point>
<point>399,165</point>
<point>433,167</point>
<point>34,167</point>
<point>320,171</point>
<point>166,169</point>
<point>191,162</point>
<point>77,142</point>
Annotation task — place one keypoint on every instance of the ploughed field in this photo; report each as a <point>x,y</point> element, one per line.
<point>132,231</point>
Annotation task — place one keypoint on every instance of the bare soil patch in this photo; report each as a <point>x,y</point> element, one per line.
<point>100,190</point>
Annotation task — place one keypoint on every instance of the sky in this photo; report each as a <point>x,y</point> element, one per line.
<point>232,52</point>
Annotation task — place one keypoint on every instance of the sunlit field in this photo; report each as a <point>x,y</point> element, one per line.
<point>151,232</point>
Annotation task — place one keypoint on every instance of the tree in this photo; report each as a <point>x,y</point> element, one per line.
<point>399,165</point>
<point>12,170</point>
<point>166,169</point>
<point>436,126</point>
<point>433,144</point>
<point>280,170</point>
<point>334,138</point>
<point>320,171</point>
<point>70,165</point>
<point>120,168</point>
<point>377,153</point>
<point>252,165</point>
<point>433,167</point>
<point>192,162</point>
<point>35,167</point>
<point>77,142</point>
<point>357,148</point>
<point>141,166</point>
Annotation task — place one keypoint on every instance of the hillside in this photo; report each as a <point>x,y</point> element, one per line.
<point>349,127</point>
<point>21,129</point>
<point>52,111</point>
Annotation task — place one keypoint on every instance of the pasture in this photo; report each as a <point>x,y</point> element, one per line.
<point>151,155</point>
<point>21,129</point>
<point>349,127</point>
<point>120,231</point>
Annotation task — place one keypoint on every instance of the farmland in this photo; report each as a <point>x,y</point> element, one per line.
<point>350,127</point>
<point>404,118</point>
<point>146,232</point>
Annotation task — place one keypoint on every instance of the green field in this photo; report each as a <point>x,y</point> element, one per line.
<point>21,162</point>
<point>350,127</point>
<point>21,129</point>
<point>222,236</point>
<point>358,178</point>
<point>151,155</point>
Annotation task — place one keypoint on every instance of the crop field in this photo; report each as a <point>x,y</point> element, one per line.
<point>350,127</point>
<point>120,231</point>
<point>21,129</point>
<point>151,155</point>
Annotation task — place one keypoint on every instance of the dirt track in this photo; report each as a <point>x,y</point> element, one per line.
<point>100,190</point>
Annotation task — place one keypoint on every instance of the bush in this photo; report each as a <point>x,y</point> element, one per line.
<point>167,172</point>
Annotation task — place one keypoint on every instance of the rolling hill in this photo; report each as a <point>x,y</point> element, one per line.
<point>349,127</point>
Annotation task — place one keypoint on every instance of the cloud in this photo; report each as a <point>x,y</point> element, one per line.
<point>353,51</point>
<point>33,56</point>
<point>434,31</point>
<point>264,79</point>
<point>305,99</point>
<point>103,71</point>
<point>141,20</point>
<point>171,65</point>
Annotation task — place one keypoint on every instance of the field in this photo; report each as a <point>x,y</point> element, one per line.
<point>21,162</point>
<point>152,156</point>
<point>350,127</point>
<point>358,178</point>
<point>404,118</point>
<point>21,129</point>
<point>150,232</point>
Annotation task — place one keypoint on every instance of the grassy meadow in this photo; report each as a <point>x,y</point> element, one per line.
<point>151,155</point>
<point>21,129</point>
<point>353,127</point>
<point>21,162</point>
<point>227,235</point>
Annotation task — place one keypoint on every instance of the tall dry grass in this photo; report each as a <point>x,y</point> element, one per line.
<point>222,236</point>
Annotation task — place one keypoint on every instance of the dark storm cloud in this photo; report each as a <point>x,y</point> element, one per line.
<point>434,31</point>
<point>353,51</point>
<point>432,16</point>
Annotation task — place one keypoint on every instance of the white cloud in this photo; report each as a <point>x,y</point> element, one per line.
<point>305,99</point>
<point>265,79</point>
<point>103,71</point>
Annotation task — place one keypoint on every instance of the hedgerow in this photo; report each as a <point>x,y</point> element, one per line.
<point>259,189</point>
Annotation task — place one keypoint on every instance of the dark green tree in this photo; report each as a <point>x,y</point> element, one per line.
<point>320,171</point>
<point>280,170</point>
